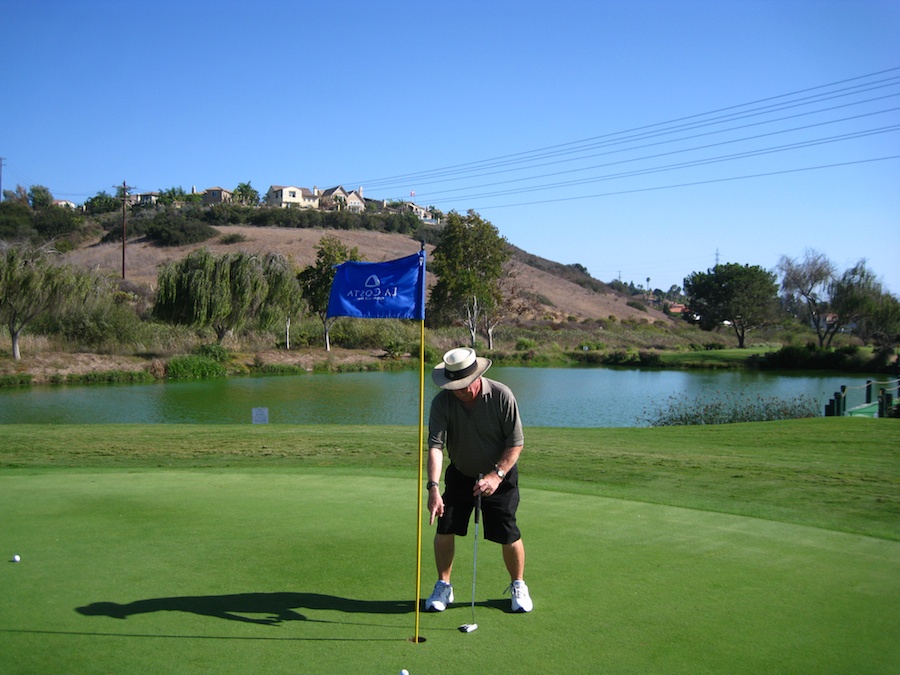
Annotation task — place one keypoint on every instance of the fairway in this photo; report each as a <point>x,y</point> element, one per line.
<point>312,571</point>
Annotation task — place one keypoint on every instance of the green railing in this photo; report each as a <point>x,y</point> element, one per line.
<point>879,405</point>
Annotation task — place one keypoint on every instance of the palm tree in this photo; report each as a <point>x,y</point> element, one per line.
<point>246,195</point>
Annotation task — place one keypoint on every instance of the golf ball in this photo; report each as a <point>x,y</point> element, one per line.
<point>404,672</point>
<point>16,558</point>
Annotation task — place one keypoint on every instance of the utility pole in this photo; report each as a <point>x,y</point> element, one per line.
<point>124,203</point>
<point>1,178</point>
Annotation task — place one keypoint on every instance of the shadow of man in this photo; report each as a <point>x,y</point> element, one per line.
<point>276,607</point>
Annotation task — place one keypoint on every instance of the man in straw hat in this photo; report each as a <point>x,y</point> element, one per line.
<point>477,420</point>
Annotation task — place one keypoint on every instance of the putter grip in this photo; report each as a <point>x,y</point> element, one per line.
<point>478,503</point>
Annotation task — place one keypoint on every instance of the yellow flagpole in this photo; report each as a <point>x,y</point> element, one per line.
<point>419,483</point>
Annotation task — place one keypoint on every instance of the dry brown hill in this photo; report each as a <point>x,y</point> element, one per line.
<point>563,298</point>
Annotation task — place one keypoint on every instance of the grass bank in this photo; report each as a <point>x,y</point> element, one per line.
<point>836,473</point>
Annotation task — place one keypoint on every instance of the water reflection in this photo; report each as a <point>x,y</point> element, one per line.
<point>554,397</point>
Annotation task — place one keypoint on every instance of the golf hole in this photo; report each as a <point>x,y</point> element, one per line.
<point>418,640</point>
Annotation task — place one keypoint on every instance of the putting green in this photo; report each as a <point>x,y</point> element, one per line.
<point>313,571</point>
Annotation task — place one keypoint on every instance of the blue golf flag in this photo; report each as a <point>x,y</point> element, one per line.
<point>387,290</point>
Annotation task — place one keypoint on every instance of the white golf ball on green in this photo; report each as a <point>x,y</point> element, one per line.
<point>16,558</point>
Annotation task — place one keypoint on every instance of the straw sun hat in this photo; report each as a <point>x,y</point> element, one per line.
<point>460,368</point>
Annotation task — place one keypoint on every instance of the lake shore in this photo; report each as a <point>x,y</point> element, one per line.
<point>55,367</point>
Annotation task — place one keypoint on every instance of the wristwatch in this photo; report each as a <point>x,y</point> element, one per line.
<point>430,484</point>
<point>500,472</point>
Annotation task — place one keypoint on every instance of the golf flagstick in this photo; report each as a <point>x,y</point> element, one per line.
<point>469,627</point>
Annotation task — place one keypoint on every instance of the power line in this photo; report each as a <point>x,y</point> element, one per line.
<point>858,134</point>
<point>579,146</point>
<point>675,140</point>
<point>694,183</point>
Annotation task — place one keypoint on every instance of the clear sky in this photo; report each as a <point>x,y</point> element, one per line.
<point>639,138</point>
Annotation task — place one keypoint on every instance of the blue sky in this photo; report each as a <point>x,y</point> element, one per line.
<point>529,113</point>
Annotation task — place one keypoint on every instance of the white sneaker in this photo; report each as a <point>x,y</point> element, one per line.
<point>521,600</point>
<point>441,596</point>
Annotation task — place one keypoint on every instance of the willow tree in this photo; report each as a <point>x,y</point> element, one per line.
<point>223,293</point>
<point>809,281</point>
<point>32,283</point>
<point>284,298</point>
<point>469,262</point>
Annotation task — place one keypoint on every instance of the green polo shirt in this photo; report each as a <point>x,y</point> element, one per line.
<point>475,439</point>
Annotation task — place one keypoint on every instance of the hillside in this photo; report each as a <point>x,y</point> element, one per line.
<point>541,278</point>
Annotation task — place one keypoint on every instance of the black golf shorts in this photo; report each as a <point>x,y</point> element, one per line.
<point>498,511</point>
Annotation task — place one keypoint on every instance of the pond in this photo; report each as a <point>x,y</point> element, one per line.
<point>550,397</point>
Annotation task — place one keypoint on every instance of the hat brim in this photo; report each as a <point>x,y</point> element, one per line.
<point>439,375</point>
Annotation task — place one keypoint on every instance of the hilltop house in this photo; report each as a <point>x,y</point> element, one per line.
<point>145,198</point>
<point>341,199</point>
<point>290,196</point>
<point>335,198</point>
<point>421,212</point>
<point>216,195</point>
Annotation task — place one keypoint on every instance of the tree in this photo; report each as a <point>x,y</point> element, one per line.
<point>742,296</point>
<point>39,197</point>
<point>245,195</point>
<point>19,195</point>
<point>102,202</point>
<point>16,221</point>
<point>284,298</point>
<point>883,323</point>
<point>222,293</point>
<point>177,194</point>
<point>56,221</point>
<point>853,298</point>
<point>33,283</point>
<point>508,300</point>
<point>468,261</point>
<point>315,280</point>
<point>808,282</point>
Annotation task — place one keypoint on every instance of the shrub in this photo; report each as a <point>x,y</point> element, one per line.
<point>193,368</point>
<point>811,357</point>
<point>109,377</point>
<point>524,344</point>
<point>213,351</point>
<point>18,380</point>
<point>278,369</point>
<point>179,232</point>
<point>650,359</point>
<point>233,238</point>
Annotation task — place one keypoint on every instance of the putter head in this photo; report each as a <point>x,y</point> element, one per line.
<point>468,627</point>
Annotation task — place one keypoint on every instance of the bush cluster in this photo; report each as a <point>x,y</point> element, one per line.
<point>110,377</point>
<point>17,380</point>
<point>193,367</point>
<point>811,357</point>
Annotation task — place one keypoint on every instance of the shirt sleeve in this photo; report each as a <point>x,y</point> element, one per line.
<point>513,422</point>
<point>437,423</point>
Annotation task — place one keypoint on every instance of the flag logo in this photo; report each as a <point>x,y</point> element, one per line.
<point>389,290</point>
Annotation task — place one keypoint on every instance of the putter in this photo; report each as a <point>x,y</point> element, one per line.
<point>469,627</point>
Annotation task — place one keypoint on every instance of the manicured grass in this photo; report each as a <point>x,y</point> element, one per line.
<point>837,473</point>
<point>745,548</point>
